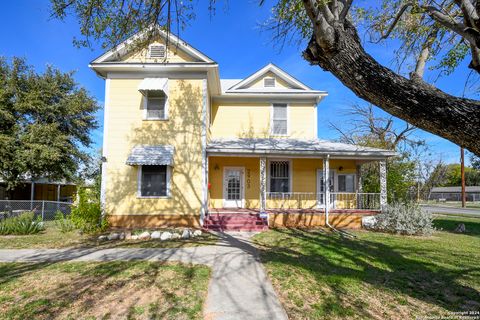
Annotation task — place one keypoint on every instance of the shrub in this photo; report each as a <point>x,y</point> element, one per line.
<point>86,212</point>
<point>23,224</point>
<point>64,224</point>
<point>409,219</point>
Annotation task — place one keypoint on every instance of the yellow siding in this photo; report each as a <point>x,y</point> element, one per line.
<point>304,180</point>
<point>279,83</point>
<point>174,55</point>
<point>126,129</point>
<point>252,120</point>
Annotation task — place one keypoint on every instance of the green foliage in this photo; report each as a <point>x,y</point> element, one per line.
<point>45,122</point>
<point>406,219</point>
<point>86,212</point>
<point>453,176</point>
<point>64,224</point>
<point>23,224</point>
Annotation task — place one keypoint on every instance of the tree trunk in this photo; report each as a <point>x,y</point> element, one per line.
<point>414,101</point>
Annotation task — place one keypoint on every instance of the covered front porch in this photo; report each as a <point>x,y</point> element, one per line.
<point>275,176</point>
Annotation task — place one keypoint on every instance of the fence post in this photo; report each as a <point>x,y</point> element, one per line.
<point>43,210</point>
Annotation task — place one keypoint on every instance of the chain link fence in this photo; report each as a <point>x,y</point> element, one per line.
<point>45,210</point>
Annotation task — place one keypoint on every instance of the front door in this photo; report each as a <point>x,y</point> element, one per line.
<point>233,188</point>
<point>321,188</point>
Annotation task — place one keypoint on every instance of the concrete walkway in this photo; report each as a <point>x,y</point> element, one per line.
<point>239,288</point>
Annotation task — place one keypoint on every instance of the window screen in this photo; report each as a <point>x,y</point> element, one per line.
<point>346,183</point>
<point>279,119</point>
<point>279,176</point>
<point>156,105</point>
<point>154,181</point>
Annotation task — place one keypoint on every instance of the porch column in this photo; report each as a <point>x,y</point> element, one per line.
<point>326,174</point>
<point>263,184</point>
<point>359,188</point>
<point>383,183</point>
<point>32,194</point>
<point>58,192</point>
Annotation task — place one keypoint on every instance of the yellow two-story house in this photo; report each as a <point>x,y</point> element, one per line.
<point>183,147</point>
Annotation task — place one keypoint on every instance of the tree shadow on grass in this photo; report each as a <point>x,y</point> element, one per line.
<point>336,261</point>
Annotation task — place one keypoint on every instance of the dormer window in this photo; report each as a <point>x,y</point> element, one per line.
<point>269,82</point>
<point>156,51</point>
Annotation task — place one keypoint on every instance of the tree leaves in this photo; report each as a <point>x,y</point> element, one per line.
<point>45,121</point>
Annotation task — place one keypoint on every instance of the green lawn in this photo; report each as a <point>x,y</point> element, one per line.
<point>111,290</point>
<point>53,238</point>
<point>320,275</point>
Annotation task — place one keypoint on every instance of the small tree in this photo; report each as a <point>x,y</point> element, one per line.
<point>45,120</point>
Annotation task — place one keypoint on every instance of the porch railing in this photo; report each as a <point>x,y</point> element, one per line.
<point>311,200</point>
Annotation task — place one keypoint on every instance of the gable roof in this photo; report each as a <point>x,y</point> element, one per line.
<point>123,48</point>
<point>293,82</point>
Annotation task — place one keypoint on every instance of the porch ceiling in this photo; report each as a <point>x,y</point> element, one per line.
<point>293,147</point>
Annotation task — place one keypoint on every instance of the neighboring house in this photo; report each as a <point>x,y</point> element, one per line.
<point>180,143</point>
<point>40,189</point>
<point>454,193</point>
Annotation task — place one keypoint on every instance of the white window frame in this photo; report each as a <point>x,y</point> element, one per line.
<point>139,185</point>
<point>272,120</point>
<point>270,78</point>
<point>145,109</point>
<point>290,173</point>
<point>345,174</point>
<point>156,45</point>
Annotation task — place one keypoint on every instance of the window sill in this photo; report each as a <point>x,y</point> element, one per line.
<point>154,197</point>
<point>155,119</point>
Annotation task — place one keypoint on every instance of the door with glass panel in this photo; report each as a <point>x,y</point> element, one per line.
<point>321,187</point>
<point>233,188</point>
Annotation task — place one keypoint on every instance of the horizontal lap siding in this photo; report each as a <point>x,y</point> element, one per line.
<point>127,129</point>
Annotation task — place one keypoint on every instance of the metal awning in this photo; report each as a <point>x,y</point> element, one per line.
<point>153,84</point>
<point>151,156</point>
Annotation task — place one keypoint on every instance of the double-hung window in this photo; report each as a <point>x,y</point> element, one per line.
<point>279,119</point>
<point>346,182</point>
<point>154,181</point>
<point>156,105</point>
<point>279,176</point>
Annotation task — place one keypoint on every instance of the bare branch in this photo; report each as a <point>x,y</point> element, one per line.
<point>395,21</point>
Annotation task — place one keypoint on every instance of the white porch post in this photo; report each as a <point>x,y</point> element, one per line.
<point>263,184</point>
<point>32,194</point>
<point>326,174</point>
<point>383,183</point>
<point>359,188</point>
<point>58,192</point>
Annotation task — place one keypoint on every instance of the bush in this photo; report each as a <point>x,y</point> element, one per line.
<point>409,219</point>
<point>86,212</point>
<point>64,224</point>
<point>23,224</point>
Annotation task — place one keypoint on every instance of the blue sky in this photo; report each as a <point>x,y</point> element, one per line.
<point>232,37</point>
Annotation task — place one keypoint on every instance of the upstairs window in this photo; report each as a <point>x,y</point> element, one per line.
<point>153,181</point>
<point>280,176</point>
<point>156,51</point>
<point>156,102</point>
<point>346,183</point>
<point>279,119</point>
<point>269,82</point>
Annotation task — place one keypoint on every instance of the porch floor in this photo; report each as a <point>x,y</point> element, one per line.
<point>314,211</point>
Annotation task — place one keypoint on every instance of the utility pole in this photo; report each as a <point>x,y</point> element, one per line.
<point>462,168</point>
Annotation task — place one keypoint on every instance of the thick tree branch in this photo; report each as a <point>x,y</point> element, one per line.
<point>418,103</point>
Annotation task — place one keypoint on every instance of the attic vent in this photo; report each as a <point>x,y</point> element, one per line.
<point>269,82</point>
<point>157,51</point>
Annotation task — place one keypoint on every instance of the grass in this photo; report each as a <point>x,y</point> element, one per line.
<point>107,290</point>
<point>52,238</point>
<point>321,275</point>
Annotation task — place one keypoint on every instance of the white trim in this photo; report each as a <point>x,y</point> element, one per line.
<point>121,49</point>
<point>205,105</point>
<point>275,70</point>
<point>167,103</point>
<point>272,119</point>
<point>290,172</point>
<point>106,109</point>
<point>139,185</point>
<point>315,124</point>
<point>242,185</point>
